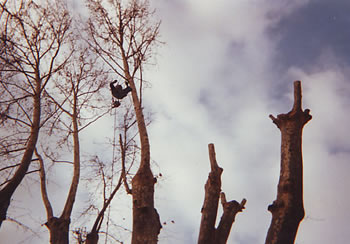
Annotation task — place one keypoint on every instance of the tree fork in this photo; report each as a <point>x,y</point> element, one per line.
<point>208,234</point>
<point>288,210</point>
<point>59,230</point>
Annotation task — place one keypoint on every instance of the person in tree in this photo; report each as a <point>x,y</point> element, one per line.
<point>119,92</point>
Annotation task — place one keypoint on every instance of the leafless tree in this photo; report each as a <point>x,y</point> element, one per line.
<point>32,40</point>
<point>123,34</point>
<point>77,95</point>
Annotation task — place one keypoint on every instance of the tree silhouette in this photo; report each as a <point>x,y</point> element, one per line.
<point>33,37</point>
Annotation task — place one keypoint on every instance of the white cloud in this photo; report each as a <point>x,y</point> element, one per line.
<point>213,83</point>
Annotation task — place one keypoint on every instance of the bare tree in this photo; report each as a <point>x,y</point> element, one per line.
<point>32,40</point>
<point>288,209</point>
<point>123,35</point>
<point>76,94</point>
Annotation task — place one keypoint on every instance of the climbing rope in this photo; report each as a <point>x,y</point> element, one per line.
<point>113,112</point>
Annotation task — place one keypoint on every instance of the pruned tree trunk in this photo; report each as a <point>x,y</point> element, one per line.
<point>230,210</point>
<point>288,210</point>
<point>211,201</point>
<point>208,234</point>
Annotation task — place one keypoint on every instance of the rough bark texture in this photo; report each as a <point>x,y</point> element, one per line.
<point>7,192</point>
<point>288,210</point>
<point>208,234</point>
<point>59,230</point>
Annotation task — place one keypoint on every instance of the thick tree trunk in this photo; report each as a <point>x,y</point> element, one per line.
<point>288,210</point>
<point>146,223</point>
<point>59,230</point>
<point>92,238</point>
<point>208,234</point>
<point>7,192</point>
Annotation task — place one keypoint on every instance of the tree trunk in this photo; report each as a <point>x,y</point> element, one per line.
<point>288,210</point>
<point>208,234</point>
<point>59,230</point>
<point>146,223</point>
<point>7,192</point>
<point>211,201</point>
<point>92,238</point>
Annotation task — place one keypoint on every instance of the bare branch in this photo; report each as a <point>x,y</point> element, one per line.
<point>44,194</point>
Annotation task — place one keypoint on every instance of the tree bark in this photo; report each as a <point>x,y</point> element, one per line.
<point>92,238</point>
<point>59,230</point>
<point>211,201</point>
<point>230,210</point>
<point>208,234</point>
<point>288,210</point>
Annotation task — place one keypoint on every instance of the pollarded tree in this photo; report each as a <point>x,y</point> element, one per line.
<point>32,40</point>
<point>288,209</point>
<point>208,234</point>
<point>123,35</point>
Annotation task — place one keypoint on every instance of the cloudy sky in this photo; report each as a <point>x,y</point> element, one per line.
<point>226,66</point>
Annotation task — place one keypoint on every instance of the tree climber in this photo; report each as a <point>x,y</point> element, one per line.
<point>118,92</point>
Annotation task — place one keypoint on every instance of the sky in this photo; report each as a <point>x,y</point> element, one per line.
<point>225,66</point>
